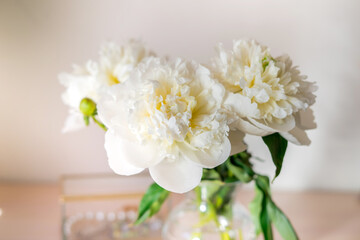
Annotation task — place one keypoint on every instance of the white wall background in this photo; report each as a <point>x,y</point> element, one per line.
<point>39,39</point>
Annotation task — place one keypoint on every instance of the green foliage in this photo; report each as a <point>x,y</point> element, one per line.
<point>215,196</point>
<point>151,202</point>
<point>255,208</point>
<point>265,221</point>
<point>277,146</point>
<point>265,212</point>
<point>239,172</point>
<point>281,222</point>
<point>237,168</point>
<point>239,165</point>
<point>222,197</point>
<point>210,174</point>
<point>262,184</point>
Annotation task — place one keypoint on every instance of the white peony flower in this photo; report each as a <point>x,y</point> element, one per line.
<point>300,96</point>
<point>263,94</point>
<point>92,80</point>
<point>167,118</point>
<point>117,62</point>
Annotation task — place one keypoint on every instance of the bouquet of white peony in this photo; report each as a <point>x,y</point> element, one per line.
<point>185,122</point>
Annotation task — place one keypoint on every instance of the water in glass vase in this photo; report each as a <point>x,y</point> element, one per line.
<point>211,212</point>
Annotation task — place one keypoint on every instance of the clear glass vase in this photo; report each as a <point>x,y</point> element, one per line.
<point>210,212</point>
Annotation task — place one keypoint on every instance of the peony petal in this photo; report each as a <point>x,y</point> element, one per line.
<point>208,158</point>
<point>305,119</point>
<point>119,162</point>
<point>237,142</point>
<point>289,123</point>
<point>179,176</point>
<point>110,106</point>
<point>73,122</point>
<point>297,136</point>
<point>130,150</point>
<point>241,105</point>
<point>285,126</point>
<point>225,152</point>
<point>249,128</point>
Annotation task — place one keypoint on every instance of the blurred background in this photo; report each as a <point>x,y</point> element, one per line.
<point>39,39</point>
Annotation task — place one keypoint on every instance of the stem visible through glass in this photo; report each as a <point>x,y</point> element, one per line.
<point>214,203</point>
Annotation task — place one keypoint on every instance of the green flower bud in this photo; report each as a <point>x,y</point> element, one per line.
<point>87,107</point>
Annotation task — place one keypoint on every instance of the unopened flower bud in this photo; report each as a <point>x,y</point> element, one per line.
<point>87,107</point>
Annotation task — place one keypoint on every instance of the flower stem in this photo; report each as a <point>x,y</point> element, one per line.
<point>216,200</point>
<point>226,236</point>
<point>100,124</point>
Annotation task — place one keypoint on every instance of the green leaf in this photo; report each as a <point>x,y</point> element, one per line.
<point>277,146</point>
<point>263,183</point>
<point>210,174</point>
<point>243,157</point>
<point>239,172</point>
<point>258,207</point>
<point>255,207</point>
<point>151,202</point>
<point>239,165</point>
<point>265,220</point>
<point>222,170</point>
<point>267,212</point>
<point>281,222</point>
<point>260,215</point>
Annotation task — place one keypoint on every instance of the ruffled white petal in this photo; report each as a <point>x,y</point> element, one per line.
<point>241,105</point>
<point>140,155</point>
<point>120,161</point>
<point>286,125</point>
<point>179,176</point>
<point>297,136</point>
<point>237,142</point>
<point>111,107</point>
<point>207,158</point>
<point>249,128</point>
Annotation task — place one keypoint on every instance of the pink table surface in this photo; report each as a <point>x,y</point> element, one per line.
<point>32,212</point>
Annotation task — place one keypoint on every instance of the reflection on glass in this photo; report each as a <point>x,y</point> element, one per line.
<point>104,207</point>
